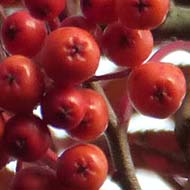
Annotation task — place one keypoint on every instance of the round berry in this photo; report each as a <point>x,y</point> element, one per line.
<point>83,166</point>
<point>26,137</point>
<point>95,120</point>
<point>63,107</point>
<point>126,47</point>
<point>142,14</point>
<point>22,34</point>
<point>21,83</point>
<point>99,11</point>
<point>154,89</point>
<point>45,9</point>
<point>70,55</point>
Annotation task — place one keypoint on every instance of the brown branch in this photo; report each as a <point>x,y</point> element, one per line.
<point>182,121</point>
<point>182,2</point>
<point>124,174</point>
<point>176,26</point>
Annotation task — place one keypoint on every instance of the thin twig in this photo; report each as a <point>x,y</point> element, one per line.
<point>125,174</point>
<point>110,76</point>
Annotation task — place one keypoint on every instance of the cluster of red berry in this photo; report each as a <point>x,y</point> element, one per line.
<point>48,61</point>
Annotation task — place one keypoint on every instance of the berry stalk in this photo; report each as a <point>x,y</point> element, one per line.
<point>124,171</point>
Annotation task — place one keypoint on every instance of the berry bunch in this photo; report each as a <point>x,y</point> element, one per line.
<point>49,61</point>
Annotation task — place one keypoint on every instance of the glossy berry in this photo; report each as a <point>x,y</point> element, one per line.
<point>95,120</point>
<point>83,166</point>
<point>99,11</point>
<point>34,178</point>
<point>126,47</point>
<point>26,137</point>
<point>23,34</point>
<point>45,9</point>
<point>63,107</point>
<point>76,53</point>
<point>142,14</point>
<point>21,83</point>
<point>154,89</point>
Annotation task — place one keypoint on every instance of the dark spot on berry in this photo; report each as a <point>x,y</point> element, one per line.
<point>81,169</point>
<point>10,78</point>
<point>19,146</point>
<point>160,94</point>
<point>141,6</point>
<point>12,32</point>
<point>125,41</point>
<point>64,113</point>
<point>75,50</point>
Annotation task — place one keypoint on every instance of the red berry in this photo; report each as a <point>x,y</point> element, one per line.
<point>21,84</point>
<point>34,178</point>
<point>95,120</point>
<point>154,89</point>
<point>142,14</point>
<point>70,55</point>
<point>26,137</point>
<point>63,107</point>
<point>45,9</point>
<point>99,11</point>
<point>83,166</point>
<point>23,34</point>
<point>126,47</point>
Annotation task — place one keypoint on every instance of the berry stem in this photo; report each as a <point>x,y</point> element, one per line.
<point>2,14</point>
<point>54,24</point>
<point>110,76</point>
<point>3,53</point>
<point>2,18</point>
<point>116,136</point>
<point>50,159</point>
